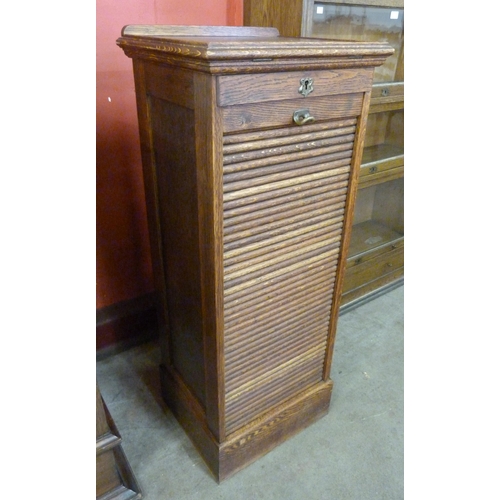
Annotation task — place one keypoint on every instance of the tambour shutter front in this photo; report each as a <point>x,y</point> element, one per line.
<point>284,197</point>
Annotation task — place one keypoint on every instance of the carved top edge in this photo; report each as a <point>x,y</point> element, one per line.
<point>221,44</point>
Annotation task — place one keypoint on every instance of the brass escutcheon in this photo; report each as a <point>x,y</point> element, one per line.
<point>306,86</point>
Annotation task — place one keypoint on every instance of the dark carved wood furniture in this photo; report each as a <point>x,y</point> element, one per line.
<point>114,477</point>
<point>251,144</point>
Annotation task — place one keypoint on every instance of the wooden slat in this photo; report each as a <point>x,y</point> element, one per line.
<point>260,216</point>
<point>240,172</point>
<point>280,379</point>
<point>271,349</point>
<point>286,157</point>
<point>253,401</point>
<point>306,333</point>
<point>274,175</point>
<point>272,262</point>
<point>245,299</point>
<point>303,179</point>
<point>280,352</point>
<point>307,315</point>
<point>277,241</point>
<point>327,181</point>
<point>296,260</point>
<point>274,299</point>
<point>247,260</point>
<point>273,221</point>
<point>275,141</point>
<point>278,204</point>
<point>297,385</point>
<point>258,314</point>
<point>259,338</point>
<point>285,226</point>
<point>234,288</point>
<point>259,384</point>
<point>259,398</point>
<point>298,149</point>
<point>255,135</point>
<point>274,356</point>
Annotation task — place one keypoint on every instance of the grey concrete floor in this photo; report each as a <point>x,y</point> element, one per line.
<point>353,453</point>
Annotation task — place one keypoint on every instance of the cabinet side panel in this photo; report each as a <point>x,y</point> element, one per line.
<point>173,137</point>
<point>152,202</point>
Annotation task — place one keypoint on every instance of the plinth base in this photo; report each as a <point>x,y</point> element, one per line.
<point>255,439</point>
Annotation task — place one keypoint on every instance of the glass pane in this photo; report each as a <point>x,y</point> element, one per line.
<point>367,24</point>
<point>384,136</point>
<point>378,216</point>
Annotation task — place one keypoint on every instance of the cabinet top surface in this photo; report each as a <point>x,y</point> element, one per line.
<point>209,44</point>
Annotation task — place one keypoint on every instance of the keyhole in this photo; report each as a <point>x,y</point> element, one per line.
<point>306,86</point>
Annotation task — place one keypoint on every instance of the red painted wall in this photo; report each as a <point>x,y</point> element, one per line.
<point>123,263</point>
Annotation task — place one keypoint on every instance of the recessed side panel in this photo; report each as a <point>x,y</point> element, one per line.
<point>284,204</point>
<point>173,137</point>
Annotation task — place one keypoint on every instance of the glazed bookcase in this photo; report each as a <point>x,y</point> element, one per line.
<point>376,257</point>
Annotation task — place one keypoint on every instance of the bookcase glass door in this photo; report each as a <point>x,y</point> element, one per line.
<point>384,141</point>
<point>345,21</point>
<point>378,217</point>
<point>376,253</point>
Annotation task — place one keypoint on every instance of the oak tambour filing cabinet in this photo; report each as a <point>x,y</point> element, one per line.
<point>251,144</point>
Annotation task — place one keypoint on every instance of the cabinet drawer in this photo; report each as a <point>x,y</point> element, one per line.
<point>248,89</point>
<point>280,113</point>
<point>371,269</point>
<point>370,175</point>
<point>107,477</point>
<point>388,93</point>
